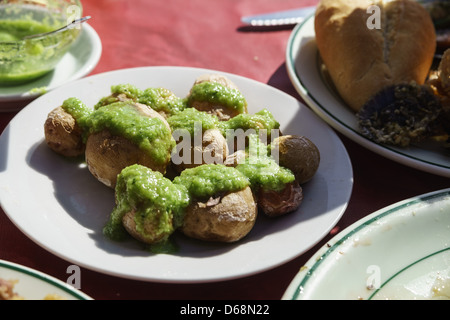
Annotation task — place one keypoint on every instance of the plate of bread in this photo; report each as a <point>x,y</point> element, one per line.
<point>355,64</point>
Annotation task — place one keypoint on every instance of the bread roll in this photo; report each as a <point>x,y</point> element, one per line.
<point>360,60</point>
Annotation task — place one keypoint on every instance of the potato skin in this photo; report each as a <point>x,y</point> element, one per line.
<point>275,204</point>
<point>151,235</point>
<point>222,112</point>
<point>107,155</point>
<point>62,133</point>
<point>299,154</point>
<point>214,149</point>
<point>229,220</point>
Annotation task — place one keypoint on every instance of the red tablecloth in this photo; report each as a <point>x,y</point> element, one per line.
<point>209,34</point>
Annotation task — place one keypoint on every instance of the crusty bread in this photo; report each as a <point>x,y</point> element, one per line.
<point>361,61</point>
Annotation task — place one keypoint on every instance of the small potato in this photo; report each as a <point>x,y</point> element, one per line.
<point>298,154</point>
<point>225,219</point>
<point>148,206</point>
<point>224,105</point>
<point>275,204</point>
<point>62,133</point>
<point>213,149</point>
<point>107,154</point>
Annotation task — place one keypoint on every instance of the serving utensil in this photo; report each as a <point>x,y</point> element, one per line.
<point>71,25</point>
<point>280,18</point>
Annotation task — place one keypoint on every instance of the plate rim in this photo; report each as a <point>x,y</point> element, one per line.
<point>41,276</point>
<point>295,289</point>
<point>88,67</point>
<point>336,218</point>
<point>332,120</point>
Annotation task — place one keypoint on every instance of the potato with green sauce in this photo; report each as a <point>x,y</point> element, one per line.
<point>218,95</point>
<point>148,207</point>
<point>275,188</point>
<point>162,100</point>
<point>222,207</point>
<point>199,139</point>
<point>62,129</point>
<point>126,133</point>
<point>299,154</point>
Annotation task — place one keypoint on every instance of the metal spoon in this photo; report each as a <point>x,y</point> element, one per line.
<point>67,27</point>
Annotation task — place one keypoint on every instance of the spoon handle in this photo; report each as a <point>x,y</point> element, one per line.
<point>67,27</point>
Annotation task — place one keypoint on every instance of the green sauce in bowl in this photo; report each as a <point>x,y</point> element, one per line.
<point>23,60</point>
<point>16,30</point>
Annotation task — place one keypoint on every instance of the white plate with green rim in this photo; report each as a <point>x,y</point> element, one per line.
<point>78,62</point>
<point>304,69</point>
<point>31,284</point>
<point>401,252</point>
<point>65,202</point>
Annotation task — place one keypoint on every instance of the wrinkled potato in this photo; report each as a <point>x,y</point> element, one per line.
<point>151,231</point>
<point>235,158</point>
<point>214,149</point>
<point>224,219</point>
<point>218,109</point>
<point>62,133</point>
<point>107,155</point>
<point>278,203</point>
<point>148,206</point>
<point>297,153</point>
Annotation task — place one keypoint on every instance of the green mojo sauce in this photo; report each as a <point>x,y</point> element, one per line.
<point>210,180</point>
<point>265,173</point>
<point>23,60</point>
<point>122,119</point>
<point>130,91</point>
<point>262,170</point>
<point>162,100</point>
<point>260,120</point>
<point>15,30</point>
<point>159,99</point>
<point>77,109</point>
<point>190,117</point>
<point>218,94</point>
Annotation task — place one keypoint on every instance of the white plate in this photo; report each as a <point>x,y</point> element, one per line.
<point>63,208</point>
<point>303,66</point>
<point>78,62</point>
<point>35,285</point>
<point>399,252</point>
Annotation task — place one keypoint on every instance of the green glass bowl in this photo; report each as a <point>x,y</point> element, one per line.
<point>23,60</point>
